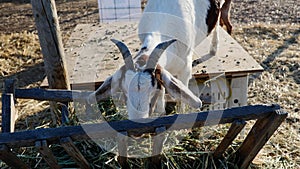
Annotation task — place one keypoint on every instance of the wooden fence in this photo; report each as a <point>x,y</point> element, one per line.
<point>268,119</point>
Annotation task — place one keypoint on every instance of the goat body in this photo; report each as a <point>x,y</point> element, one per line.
<point>145,78</point>
<point>188,21</point>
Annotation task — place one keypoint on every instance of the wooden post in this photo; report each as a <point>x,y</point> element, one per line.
<point>47,24</point>
<point>46,20</point>
<point>10,86</point>
<point>260,133</point>
<point>47,154</point>
<point>73,151</point>
<point>9,114</point>
<point>235,128</point>
<point>10,159</point>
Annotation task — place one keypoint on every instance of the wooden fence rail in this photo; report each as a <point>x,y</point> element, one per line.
<point>57,95</point>
<point>268,119</point>
<point>109,129</point>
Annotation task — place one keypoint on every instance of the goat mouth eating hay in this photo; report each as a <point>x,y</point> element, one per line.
<point>142,82</point>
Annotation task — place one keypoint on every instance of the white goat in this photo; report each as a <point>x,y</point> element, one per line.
<point>144,78</point>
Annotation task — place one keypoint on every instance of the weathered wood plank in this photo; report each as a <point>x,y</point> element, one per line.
<point>9,86</point>
<point>158,142</point>
<point>47,24</point>
<point>74,152</point>
<point>47,154</point>
<point>260,133</point>
<point>235,128</point>
<point>122,149</point>
<point>58,95</point>
<point>10,159</point>
<point>52,94</point>
<point>8,112</point>
<point>172,122</point>
<point>99,55</point>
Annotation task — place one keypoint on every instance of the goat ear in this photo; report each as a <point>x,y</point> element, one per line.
<point>179,91</point>
<point>108,88</point>
<point>103,92</point>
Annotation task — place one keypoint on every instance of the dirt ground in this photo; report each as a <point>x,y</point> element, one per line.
<point>268,30</point>
<point>16,15</point>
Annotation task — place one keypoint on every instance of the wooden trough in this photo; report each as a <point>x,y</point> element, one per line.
<point>268,119</point>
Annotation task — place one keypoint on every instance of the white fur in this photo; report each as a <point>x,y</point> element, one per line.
<point>183,20</point>
<point>139,91</point>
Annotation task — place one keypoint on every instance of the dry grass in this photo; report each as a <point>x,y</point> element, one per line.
<point>276,47</point>
<point>18,51</point>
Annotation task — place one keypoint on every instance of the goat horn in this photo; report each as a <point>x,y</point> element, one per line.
<point>156,53</point>
<point>125,53</point>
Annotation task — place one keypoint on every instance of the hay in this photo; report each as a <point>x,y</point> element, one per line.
<point>18,51</point>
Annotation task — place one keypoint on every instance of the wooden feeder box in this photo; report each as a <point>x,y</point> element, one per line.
<point>221,81</point>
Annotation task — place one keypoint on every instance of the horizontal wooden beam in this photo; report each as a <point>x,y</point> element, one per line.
<point>57,95</point>
<point>109,129</point>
